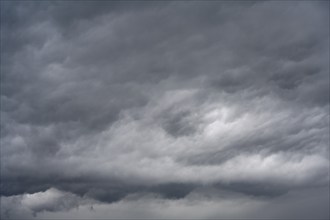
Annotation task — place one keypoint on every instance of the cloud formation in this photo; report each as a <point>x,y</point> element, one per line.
<point>129,103</point>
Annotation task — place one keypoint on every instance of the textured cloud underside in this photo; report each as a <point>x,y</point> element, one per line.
<point>166,109</point>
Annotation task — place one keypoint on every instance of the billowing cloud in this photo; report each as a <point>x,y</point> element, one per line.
<point>119,104</point>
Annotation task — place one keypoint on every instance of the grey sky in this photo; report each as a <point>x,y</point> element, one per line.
<point>165,109</point>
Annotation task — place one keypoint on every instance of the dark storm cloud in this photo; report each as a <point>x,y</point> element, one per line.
<point>117,102</point>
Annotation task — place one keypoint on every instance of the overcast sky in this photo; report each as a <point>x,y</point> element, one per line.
<point>165,109</point>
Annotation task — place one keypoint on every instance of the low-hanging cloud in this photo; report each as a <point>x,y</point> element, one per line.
<point>122,103</point>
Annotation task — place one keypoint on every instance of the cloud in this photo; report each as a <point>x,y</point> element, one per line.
<point>107,101</point>
<point>28,205</point>
<point>202,203</point>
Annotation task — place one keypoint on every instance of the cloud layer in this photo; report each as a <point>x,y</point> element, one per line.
<point>121,104</point>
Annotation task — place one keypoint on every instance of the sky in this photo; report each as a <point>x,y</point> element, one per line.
<point>164,110</point>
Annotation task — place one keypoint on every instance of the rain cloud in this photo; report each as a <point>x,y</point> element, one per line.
<point>165,109</point>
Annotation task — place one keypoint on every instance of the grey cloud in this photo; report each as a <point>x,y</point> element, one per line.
<point>28,206</point>
<point>203,203</point>
<point>114,100</point>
